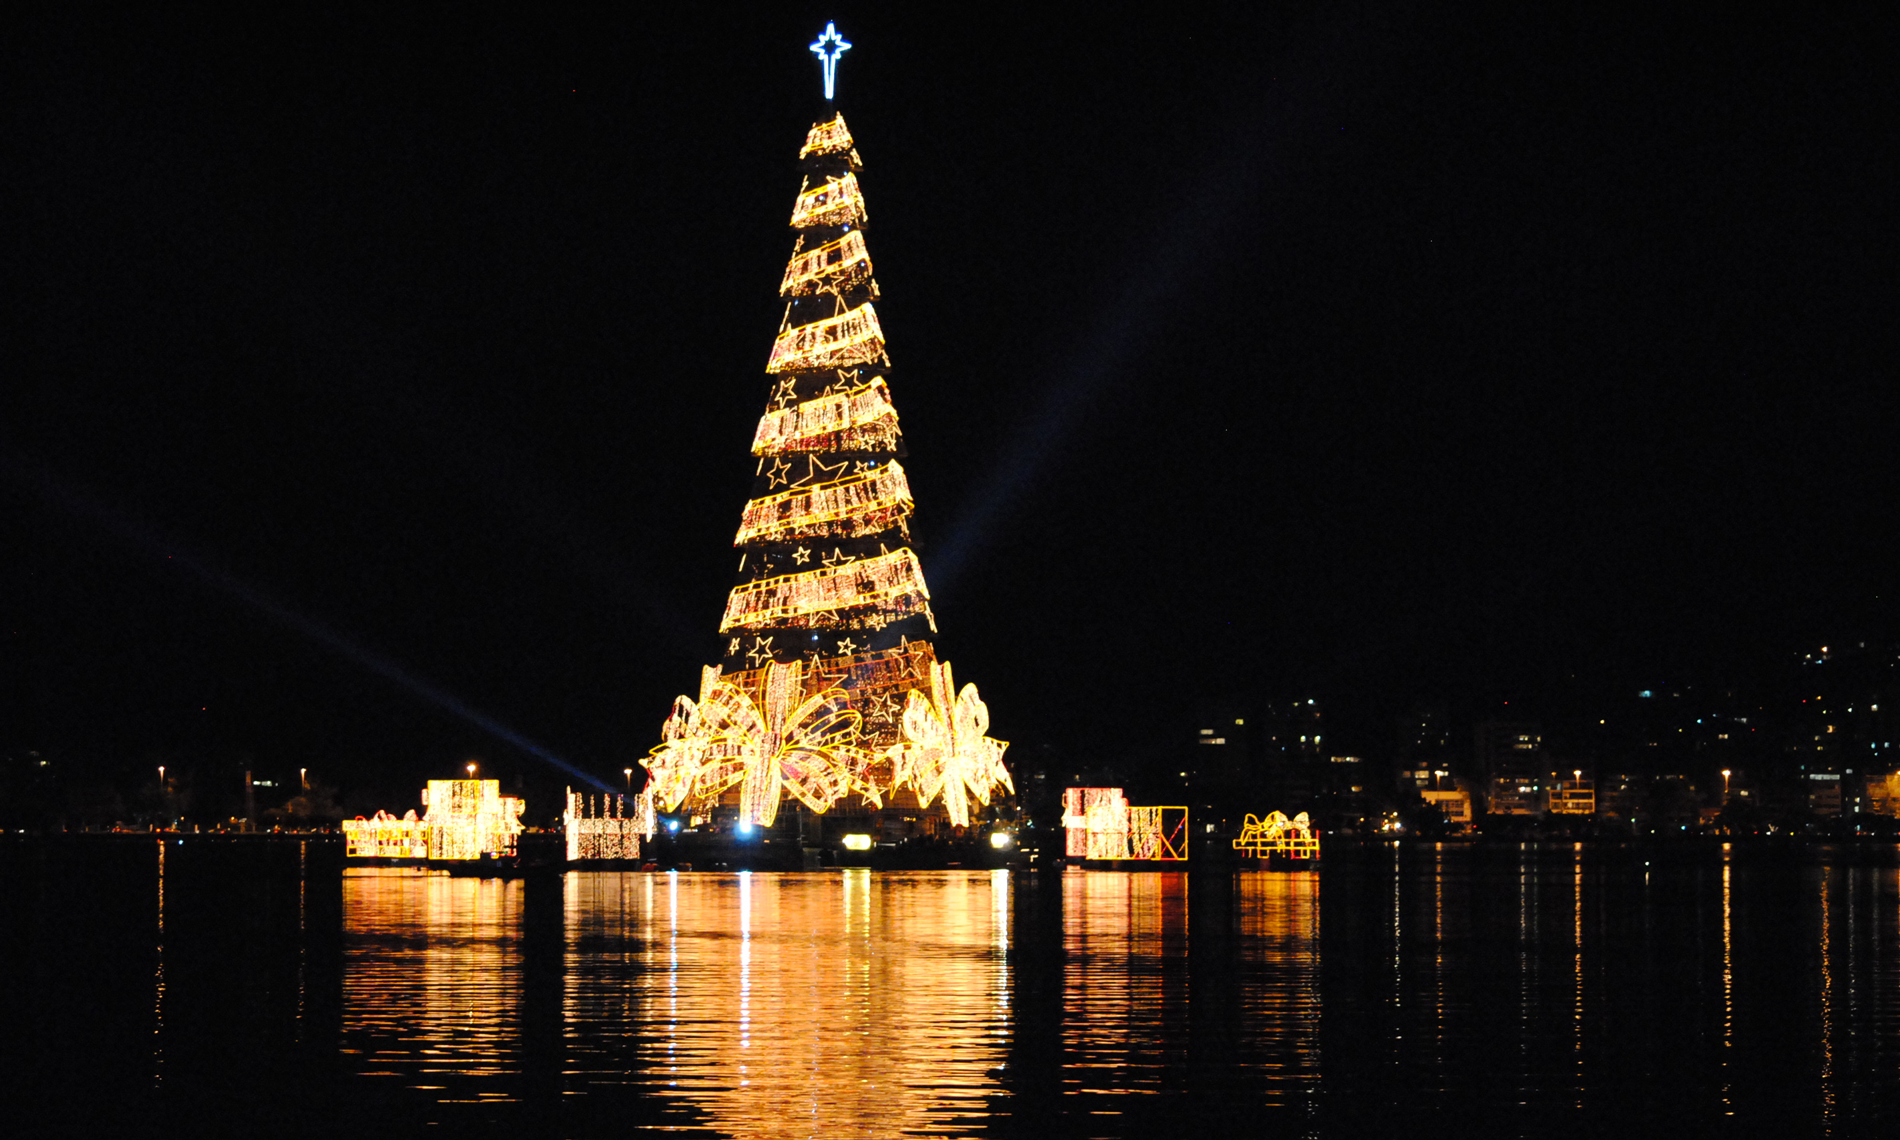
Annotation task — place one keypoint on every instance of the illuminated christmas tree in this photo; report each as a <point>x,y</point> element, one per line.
<point>829,691</point>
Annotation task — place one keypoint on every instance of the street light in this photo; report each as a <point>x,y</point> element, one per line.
<point>471,769</point>
<point>1725,785</point>
<point>303,778</point>
<point>629,772</point>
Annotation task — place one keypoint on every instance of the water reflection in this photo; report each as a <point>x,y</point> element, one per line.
<point>795,1005</point>
<point>432,980</point>
<point>1184,1004</point>
<point>1552,986</point>
<point>158,980</point>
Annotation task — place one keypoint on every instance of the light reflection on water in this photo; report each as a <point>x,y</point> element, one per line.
<point>840,1003</point>
<point>795,1004</point>
<point>431,978</point>
<point>768,1003</point>
<point>1457,991</point>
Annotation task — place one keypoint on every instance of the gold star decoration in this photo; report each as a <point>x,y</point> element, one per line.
<point>776,473</point>
<point>801,556</point>
<point>733,647</point>
<point>847,646</point>
<point>761,650</point>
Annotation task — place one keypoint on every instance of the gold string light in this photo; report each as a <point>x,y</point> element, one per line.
<point>1101,825</point>
<point>835,202</point>
<point>383,836</point>
<point>784,743</point>
<point>946,750</point>
<point>829,268</point>
<point>875,590</point>
<point>606,826</point>
<point>851,337</point>
<point>855,419</point>
<point>841,719</point>
<point>830,137</point>
<point>857,505</point>
<point>877,683</point>
<point>466,819</point>
<point>1277,835</point>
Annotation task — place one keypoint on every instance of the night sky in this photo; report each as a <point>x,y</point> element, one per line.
<point>377,386</point>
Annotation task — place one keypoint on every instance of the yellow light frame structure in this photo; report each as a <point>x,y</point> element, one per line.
<point>866,503</point>
<point>855,419</point>
<point>886,586</point>
<point>836,202</point>
<point>826,718</point>
<point>946,751</point>
<point>851,337</point>
<point>383,836</point>
<point>781,741</point>
<point>1103,826</point>
<point>470,819</point>
<point>828,268</point>
<point>830,137</point>
<point>1277,835</point>
<point>877,683</point>
<point>606,827</point>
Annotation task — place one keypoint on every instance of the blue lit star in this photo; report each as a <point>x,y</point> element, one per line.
<point>828,48</point>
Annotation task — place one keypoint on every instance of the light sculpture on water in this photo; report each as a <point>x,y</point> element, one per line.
<point>1101,825</point>
<point>470,819</point>
<point>781,743</point>
<point>947,752</point>
<point>466,819</point>
<point>829,690</point>
<point>607,826</point>
<point>383,836</point>
<point>1279,836</point>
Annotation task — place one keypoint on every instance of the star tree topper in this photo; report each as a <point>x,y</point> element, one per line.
<point>828,48</point>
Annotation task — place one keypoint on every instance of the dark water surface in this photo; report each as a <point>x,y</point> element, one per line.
<point>210,988</point>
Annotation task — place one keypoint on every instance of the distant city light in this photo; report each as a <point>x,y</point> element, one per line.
<point>999,839</point>
<point>857,842</point>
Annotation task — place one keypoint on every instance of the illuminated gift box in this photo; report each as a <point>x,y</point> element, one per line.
<point>607,826</point>
<point>1102,825</point>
